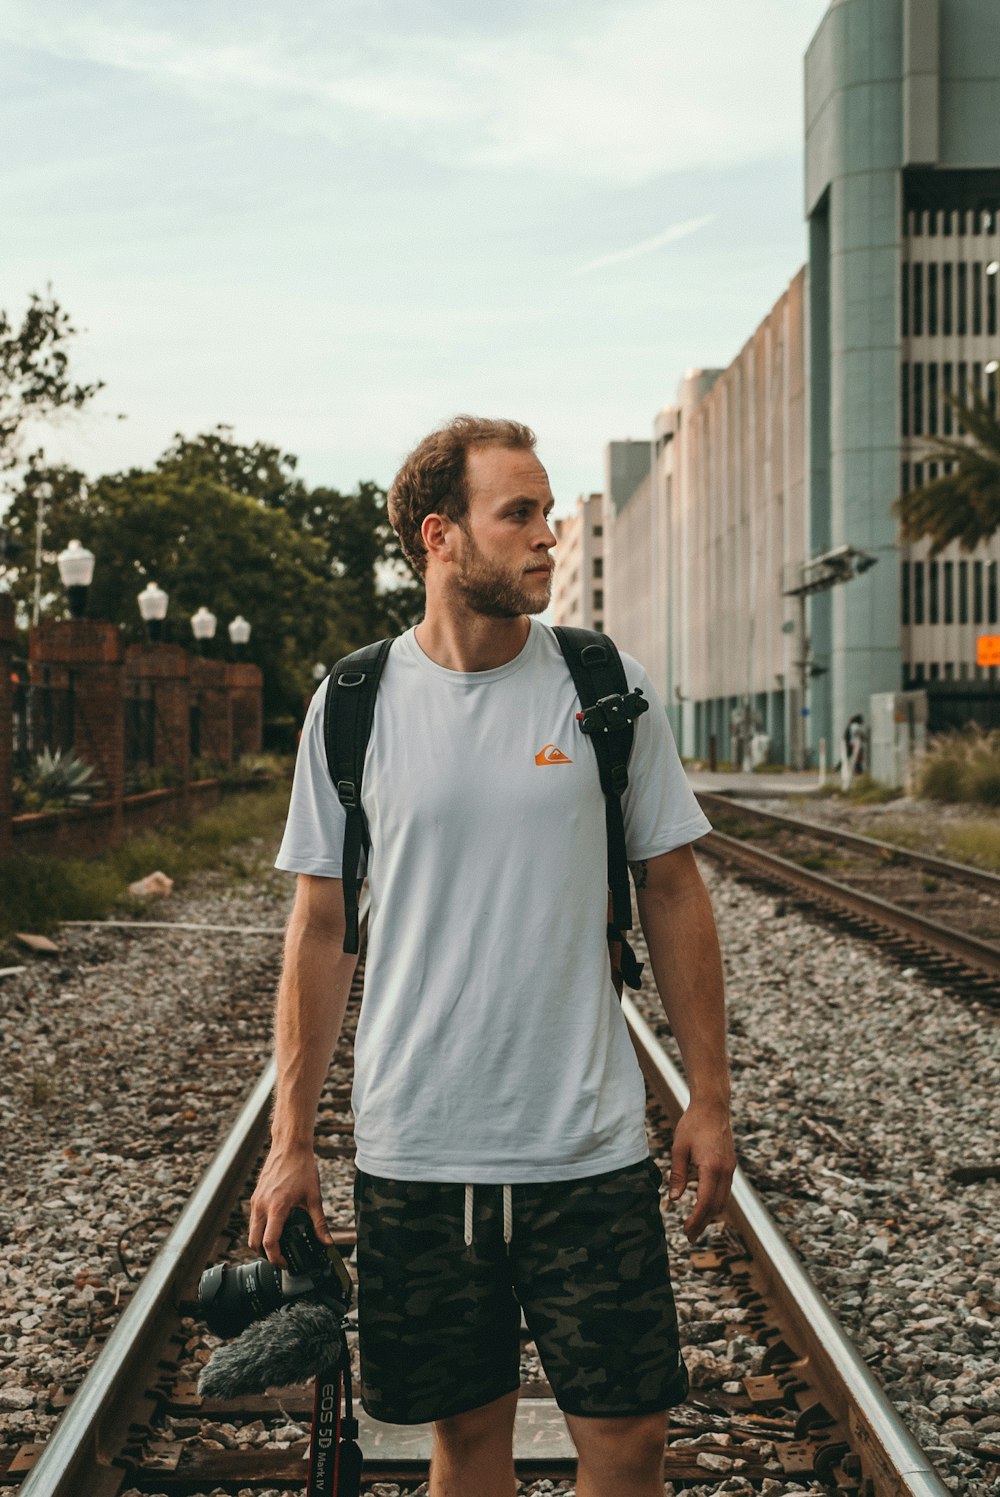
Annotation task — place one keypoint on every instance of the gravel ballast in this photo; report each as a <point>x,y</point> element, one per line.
<point>857,1089</point>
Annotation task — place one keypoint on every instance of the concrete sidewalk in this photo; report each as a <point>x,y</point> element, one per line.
<point>758,786</point>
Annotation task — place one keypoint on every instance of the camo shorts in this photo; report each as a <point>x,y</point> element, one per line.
<point>439,1320</point>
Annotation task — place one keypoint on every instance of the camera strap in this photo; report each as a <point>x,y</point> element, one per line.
<point>334,1454</point>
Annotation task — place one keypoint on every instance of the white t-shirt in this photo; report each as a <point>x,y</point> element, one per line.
<point>491,1046</point>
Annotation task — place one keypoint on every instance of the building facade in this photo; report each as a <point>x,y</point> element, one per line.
<point>804,443</point>
<point>578,581</point>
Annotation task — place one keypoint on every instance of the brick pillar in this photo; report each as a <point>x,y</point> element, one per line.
<point>208,691</point>
<point>86,656</point>
<point>162,672</point>
<point>6,720</point>
<point>245,685</point>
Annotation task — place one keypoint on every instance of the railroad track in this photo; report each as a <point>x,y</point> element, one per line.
<point>867,869</point>
<point>807,1408</point>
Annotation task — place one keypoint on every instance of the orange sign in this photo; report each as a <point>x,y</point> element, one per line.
<point>988,649</point>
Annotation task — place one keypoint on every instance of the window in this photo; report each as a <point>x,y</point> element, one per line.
<point>918,673</point>
<point>934,671</point>
<point>946,224</point>
<point>918,300</point>
<point>932,300</point>
<point>991,593</point>
<point>977,299</point>
<point>905,288</point>
<point>598,597</point>
<point>598,530</point>
<point>932,399</point>
<point>918,475</point>
<point>918,400</point>
<point>977,592</point>
<point>933,581</point>
<point>598,623</point>
<point>946,280</point>
<point>918,592</point>
<point>949,592</point>
<point>991,303</point>
<point>963,592</point>
<point>598,566</point>
<point>963,295</point>
<point>904,593</point>
<point>949,671</point>
<point>904,479</point>
<point>962,392</point>
<point>905,400</point>
<point>947,414</point>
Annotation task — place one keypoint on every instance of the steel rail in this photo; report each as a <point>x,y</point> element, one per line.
<point>887,1450</point>
<point>94,1427</point>
<point>980,878</point>
<point>969,950</point>
<point>78,1456</point>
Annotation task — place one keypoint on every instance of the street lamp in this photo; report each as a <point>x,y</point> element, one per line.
<point>818,575</point>
<point>153,607</point>
<point>76,568</point>
<point>203,625</point>
<point>239,634</point>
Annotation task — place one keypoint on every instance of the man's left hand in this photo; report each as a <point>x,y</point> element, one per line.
<point>703,1149</point>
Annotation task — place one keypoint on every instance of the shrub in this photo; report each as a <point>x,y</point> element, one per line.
<point>961,766</point>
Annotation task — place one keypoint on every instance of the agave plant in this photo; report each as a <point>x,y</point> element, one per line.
<point>63,778</point>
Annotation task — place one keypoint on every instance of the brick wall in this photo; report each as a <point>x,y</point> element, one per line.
<point>86,656</point>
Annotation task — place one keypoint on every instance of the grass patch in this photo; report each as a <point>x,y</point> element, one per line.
<point>976,842</point>
<point>37,892</point>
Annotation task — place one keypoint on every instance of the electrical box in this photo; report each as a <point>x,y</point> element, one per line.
<point>898,731</point>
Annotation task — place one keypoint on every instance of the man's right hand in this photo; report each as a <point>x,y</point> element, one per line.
<point>289,1177</point>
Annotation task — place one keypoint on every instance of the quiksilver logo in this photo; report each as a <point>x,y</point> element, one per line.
<point>551,755</point>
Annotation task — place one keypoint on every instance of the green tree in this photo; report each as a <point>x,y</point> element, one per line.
<point>964,504</point>
<point>35,380</point>
<point>377,591</point>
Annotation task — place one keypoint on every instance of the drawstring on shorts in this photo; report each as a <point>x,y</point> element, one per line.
<point>508,1215</point>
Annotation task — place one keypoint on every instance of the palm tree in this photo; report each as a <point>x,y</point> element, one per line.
<point>964,503</point>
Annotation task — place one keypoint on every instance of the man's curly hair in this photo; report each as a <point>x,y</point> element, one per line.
<point>432,479</point>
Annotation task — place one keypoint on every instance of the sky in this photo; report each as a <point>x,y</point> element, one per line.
<point>334,225</point>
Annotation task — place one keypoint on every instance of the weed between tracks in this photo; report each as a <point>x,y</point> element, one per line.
<point>36,893</point>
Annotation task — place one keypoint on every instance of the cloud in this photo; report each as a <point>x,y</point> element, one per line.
<point>647,246</point>
<point>615,92</point>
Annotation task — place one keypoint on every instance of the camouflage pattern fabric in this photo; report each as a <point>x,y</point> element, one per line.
<point>439,1320</point>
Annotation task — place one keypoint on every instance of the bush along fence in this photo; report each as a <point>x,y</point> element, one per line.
<point>154,728</point>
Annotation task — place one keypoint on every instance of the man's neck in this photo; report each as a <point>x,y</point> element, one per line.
<point>472,642</point>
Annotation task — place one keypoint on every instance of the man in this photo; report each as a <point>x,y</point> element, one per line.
<point>501,1147</point>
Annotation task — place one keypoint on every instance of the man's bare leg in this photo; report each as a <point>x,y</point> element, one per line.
<point>619,1457</point>
<point>473,1452</point>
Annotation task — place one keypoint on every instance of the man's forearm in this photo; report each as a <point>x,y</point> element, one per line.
<point>312,997</point>
<point>687,965</point>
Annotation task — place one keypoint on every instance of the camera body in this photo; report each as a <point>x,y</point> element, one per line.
<point>233,1297</point>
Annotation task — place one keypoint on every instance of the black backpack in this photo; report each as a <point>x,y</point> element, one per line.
<point>609,710</point>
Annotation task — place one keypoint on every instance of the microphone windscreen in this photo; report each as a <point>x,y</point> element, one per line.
<point>291,1346</point>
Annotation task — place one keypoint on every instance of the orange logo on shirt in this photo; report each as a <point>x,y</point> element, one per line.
<point>551,755</point>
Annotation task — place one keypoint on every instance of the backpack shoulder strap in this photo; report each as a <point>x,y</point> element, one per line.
<point>348,714</point>
<point>609,712</point>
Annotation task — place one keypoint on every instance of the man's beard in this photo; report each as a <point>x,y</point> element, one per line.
<point>491,590</point>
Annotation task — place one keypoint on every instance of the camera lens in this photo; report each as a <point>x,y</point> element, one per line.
<point>232,1298</point>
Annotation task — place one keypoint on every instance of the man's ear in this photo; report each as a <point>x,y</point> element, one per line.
<point>436,532</point>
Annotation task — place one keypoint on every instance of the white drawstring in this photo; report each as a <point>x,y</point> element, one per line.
<point>508,1215</point>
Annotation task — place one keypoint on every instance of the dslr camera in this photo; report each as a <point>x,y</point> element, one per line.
<point>231,1297</point>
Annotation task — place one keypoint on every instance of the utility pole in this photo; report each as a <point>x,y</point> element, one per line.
<point>43,494</point>
<point>818,576</point>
